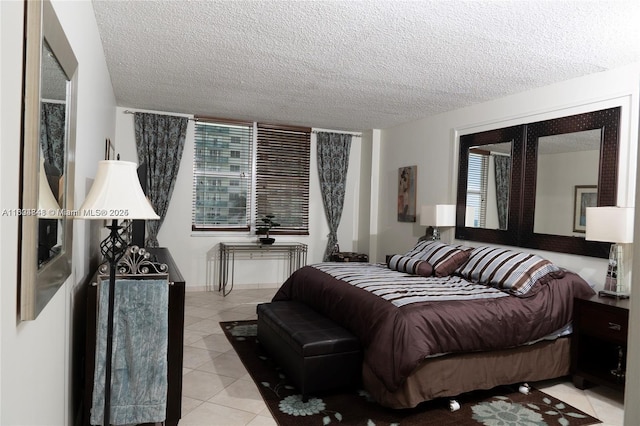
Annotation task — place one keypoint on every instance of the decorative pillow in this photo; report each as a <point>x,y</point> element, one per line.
<point>444,258</point>
<point>410,265</point>
<point>513,271</point>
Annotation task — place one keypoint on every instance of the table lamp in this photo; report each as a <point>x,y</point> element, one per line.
<point>438,216</point>
<point>612,225</point>
<point>116,194</point>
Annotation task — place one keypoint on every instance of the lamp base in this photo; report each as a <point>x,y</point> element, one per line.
<point>614,294</point>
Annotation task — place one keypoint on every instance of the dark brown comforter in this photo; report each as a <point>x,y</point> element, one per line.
<point>396,339</point>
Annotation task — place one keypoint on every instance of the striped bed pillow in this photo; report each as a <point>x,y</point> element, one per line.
<point>443,257</point>
<point>513,271</point>
<point>410,265</point>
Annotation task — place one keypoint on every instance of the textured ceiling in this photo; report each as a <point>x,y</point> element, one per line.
<point>353,65</point>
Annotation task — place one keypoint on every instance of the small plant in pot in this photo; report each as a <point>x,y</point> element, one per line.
<point>265,227</point>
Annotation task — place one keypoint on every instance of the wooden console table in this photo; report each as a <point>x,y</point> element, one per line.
<point>174,341</point>
<point>294,253</point>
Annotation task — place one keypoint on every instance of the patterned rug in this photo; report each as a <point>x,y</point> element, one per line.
<point>502,406</point>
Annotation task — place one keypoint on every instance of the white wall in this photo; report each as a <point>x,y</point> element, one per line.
<point>195,252</point>
<point>558,175</point>
<point>36,357</point>
<point>432,145</point>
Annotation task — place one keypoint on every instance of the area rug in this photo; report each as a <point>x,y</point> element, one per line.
<point>502,406</point>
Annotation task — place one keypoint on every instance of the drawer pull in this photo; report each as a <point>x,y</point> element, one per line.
<point>614,326</point>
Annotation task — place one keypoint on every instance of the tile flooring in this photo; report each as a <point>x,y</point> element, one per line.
<point>217,390</point>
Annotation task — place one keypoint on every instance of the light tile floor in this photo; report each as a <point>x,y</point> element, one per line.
<point>217,390</point>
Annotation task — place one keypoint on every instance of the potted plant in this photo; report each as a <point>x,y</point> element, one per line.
<point>265,227</point>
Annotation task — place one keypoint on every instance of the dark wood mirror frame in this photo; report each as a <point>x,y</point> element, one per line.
<point>522,194</point>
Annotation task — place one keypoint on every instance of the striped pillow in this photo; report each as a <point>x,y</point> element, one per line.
<point>444,258</point>
<point>513,271</point>
<point>410,265</point>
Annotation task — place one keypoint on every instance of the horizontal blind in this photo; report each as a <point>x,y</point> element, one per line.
<point>477,177</point>
<point>282,177</point>
<point>222,175</point>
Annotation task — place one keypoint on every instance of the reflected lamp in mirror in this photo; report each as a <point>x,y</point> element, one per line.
<point>48,206</point>
<point>116,194</point>
<point>438,216</point>
<point>612,225</point>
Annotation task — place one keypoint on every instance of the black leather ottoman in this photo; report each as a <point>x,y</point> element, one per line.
<point>315,353</point>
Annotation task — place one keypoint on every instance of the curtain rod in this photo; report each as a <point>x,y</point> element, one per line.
<point>127,111</point>
<point>358,135</point>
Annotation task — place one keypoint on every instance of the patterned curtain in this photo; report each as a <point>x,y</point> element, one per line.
<point>333,162</point>
<point>52,126</point>
<point>502,168</point>
<point>159,142</point>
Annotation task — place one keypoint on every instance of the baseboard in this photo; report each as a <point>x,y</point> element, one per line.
<point>248,286</point>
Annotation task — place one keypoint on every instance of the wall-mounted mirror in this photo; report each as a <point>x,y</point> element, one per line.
<point>489,186</point>
<point>48,147</point>
<point>557,168</point>
<point>589,136</point>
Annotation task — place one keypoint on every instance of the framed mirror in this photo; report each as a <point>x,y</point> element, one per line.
<point>489,182</point>
<point>47,161</point>
<point>557,168</point>
<point>567,154</point>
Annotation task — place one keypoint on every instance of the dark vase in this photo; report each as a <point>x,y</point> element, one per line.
<point>267,241</point>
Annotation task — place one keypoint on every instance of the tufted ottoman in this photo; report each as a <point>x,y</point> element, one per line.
<point>315,352</point>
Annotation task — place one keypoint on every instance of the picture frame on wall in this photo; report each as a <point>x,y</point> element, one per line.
<point>109,150</point>
<point>584,196</point>
<point>407,178</point>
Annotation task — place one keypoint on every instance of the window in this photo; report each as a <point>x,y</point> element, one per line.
<point>282,177</point>
<point>477,186</point>
<point>222,175</point>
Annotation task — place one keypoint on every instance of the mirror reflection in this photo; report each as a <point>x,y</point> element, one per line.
<point>488,182</point>
<point>566,181</point>
<point>52,151</point>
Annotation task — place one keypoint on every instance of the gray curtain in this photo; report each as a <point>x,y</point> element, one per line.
<point>52,120</point>
<point>159,142</point>
<point>502,169</point>
<point>333,162</point>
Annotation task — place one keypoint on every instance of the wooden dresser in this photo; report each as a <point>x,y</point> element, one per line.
<point>175,340</point>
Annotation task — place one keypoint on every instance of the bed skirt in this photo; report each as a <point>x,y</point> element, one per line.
<point>451,375</point>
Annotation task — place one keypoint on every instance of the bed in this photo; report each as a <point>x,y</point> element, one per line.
<point>441,320</point>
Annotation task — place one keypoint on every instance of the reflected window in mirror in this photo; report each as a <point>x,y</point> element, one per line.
<point>488,185</point>
<point>53,106</point>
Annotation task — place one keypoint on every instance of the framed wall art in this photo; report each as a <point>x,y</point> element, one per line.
<point>109,150</point>
<point>584,196</point>
<point>407,193</point>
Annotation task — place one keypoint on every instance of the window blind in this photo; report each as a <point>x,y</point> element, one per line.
<point>478,174</point>
<point>282,177</point>
<point>222,175</point>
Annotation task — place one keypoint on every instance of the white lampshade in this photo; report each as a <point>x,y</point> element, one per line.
<point>440,215</point>
<point>116,194</point>
<point>48,206</point>
<point>610,224</point>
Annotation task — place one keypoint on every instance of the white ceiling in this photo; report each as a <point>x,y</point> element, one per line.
<point>353,65</point>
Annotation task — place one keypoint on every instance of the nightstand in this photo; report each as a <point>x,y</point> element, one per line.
<point>599,342</point>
